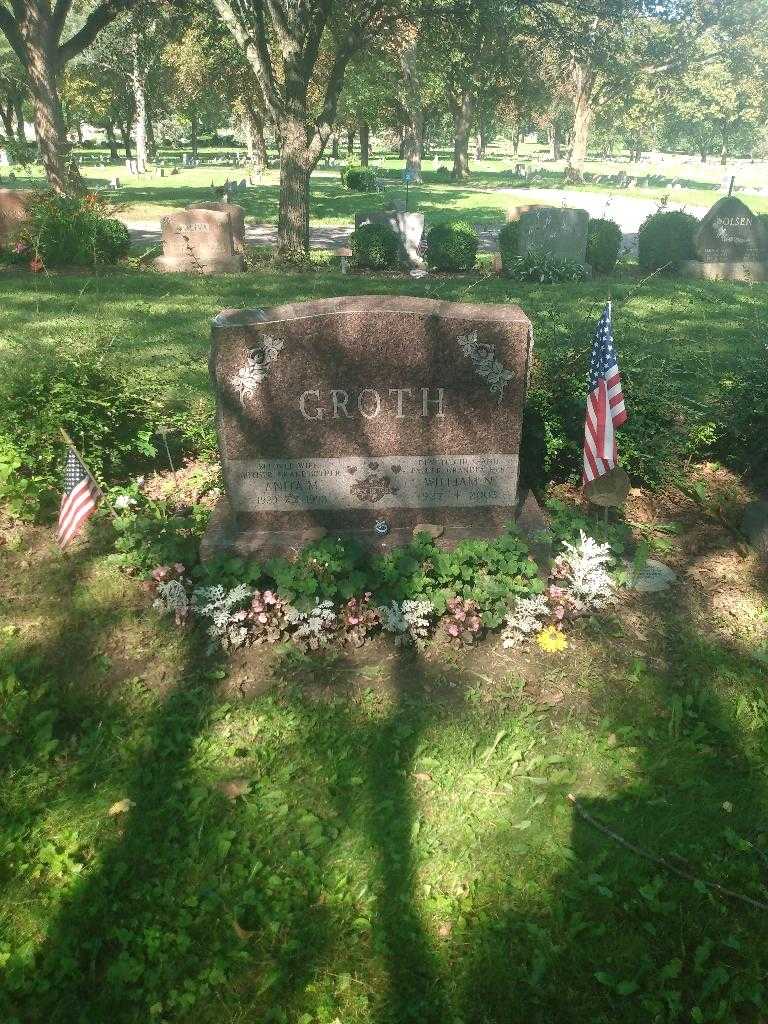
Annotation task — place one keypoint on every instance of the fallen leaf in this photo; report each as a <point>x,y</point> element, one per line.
<point>423,776</point>
<point>121,807</point>
<point>445,929</point>
<point>233,788</point>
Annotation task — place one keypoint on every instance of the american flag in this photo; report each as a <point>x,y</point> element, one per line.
<point>81,496</point>
<point>605,403</point>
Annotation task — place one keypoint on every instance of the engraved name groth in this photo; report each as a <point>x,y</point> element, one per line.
<point>342,403</point>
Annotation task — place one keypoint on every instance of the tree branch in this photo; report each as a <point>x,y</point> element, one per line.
<point>12,34</point>
<point>98,19</point>
<point>254,48</point>
<point>59,16</point>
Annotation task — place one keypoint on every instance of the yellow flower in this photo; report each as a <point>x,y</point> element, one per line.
<point>551,640</point>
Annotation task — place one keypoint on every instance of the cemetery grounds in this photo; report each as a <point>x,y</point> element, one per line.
<point>385,835</point>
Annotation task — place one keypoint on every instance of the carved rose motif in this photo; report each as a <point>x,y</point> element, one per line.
<point>258,359</point>
<point>485,363</point>
<point>372,488</point>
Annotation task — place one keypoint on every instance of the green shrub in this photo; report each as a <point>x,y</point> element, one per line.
<point>72,231</point>
<point>665,240</point>
<point>452,246</point>
<point>375,246</point>
<point>603,245</point>
<point>508,244</point>
<point>109,416</point>
<point>359,179</point>
<point>543,268</point>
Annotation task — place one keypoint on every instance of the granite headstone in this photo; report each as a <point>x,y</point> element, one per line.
<point>236,216</point>
<point>13,211</point>
<point>552,230</point>
<point>409,228</point>
<point>730,244</point>
<point>366,416</point>
<point>198,241</point>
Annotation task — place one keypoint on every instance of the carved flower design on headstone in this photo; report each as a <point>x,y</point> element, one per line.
<point>372,488</point>
<point>485,363</point>
<point>254,371</point>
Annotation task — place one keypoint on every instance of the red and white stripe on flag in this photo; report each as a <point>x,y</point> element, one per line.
<point>606,410</point>
<point>76,507</point>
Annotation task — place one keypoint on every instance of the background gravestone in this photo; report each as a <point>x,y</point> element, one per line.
<point>339,413</point>
<point>409,228</point>
<point>236,216</point>
<point>553,230</point>
<point>13,211</point>
<point>730,244</point>
<point>198,241</point>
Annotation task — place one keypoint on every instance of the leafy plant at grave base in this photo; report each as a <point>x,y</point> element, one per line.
<point>442,173</point>
<point>43,388</point>
<point>508,244</point>
<point>452,245</point>
<point>359,179</point>
<point>152,534</point>
<point>374,246</point>
<point>328,570</point>
<point>543,268</point>
<point>738,436</point>
<point>665,240</point>
<point>487,573</point>
<point>67,231</point>
<point>603,244</point>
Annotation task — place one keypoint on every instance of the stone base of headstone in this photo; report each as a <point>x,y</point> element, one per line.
<point>748,271</point>
<point>228,535</point>
<point>183,265</point>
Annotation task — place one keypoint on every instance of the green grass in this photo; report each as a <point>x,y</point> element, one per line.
<point>402,849</point>
<point>479,199</point>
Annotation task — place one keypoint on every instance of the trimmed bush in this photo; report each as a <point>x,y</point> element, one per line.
<point>359,179</point>
<point>452,246</point>
<point>508,244</point>
<point>375,246</point>
<point>603,245</point>
<point>76,231</point>
<point>665,240</point>
<point>543,268</point>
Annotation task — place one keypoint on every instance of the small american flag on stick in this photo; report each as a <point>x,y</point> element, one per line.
<point>81,496</point>
<point>605,403</point>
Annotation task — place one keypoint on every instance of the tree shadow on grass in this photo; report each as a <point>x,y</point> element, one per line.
<point>619,937</point>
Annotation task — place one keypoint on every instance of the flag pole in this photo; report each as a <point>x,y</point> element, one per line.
<point>68,441</point>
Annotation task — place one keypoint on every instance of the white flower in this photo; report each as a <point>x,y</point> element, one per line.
<point>140,481</point>
<point>526,618</point>
<point>123,501</point>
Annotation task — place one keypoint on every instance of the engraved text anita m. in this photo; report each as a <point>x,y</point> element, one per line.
<point>342,403</point>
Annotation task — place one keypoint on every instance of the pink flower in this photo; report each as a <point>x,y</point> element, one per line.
<point>263,618</point>
<point>269,597</point>
<point>453,628</point>
<point>19,247</point>
<point>180,569</point>
<point>161,573</point>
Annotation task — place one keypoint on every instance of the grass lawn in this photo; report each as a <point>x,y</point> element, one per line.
<point>384,836</point>
<point>480,199</point>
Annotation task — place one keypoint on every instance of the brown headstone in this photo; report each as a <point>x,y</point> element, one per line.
<point>198,240</point>
<point>236,216</point>
<point>13,211</point>
<point>367,416</point>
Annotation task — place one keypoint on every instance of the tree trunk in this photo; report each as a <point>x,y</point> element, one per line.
<point>254,134</point>
<point>109,132</point>
<point>401,147</point>
<point>482,142</point>
<point>6,116</point>
<point>365,144</point>
<point>151,140</point>
<point>462,125</point>
<point>193,130</point>
<point>139,89</point>
<point>79,133</point>
<point>125,135</point>
<point>350,142</point>
<point>582,122</point>
<point>413,134</point>
<point>293,209</point>
<point>516,141</point>
<point>724,153</point>
<point>38,39</point>
<point>703,152</point>
<point>335,146</point>
<point>556,142</point>
<point>18,107</point>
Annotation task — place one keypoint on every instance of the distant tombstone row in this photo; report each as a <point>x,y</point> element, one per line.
<point>207,238</point>
<point>730,244</point>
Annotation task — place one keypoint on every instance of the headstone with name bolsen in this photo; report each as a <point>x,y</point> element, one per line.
<point>346,413</point>
<point>730,244</point>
